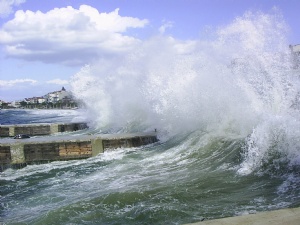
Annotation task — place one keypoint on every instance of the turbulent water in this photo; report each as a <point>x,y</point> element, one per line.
<point>226,108</point>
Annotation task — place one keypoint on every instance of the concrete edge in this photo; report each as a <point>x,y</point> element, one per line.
<point>277,217</point>
<point>40,129</point>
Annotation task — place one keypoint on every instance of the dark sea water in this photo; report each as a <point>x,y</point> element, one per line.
<point>227,112</point>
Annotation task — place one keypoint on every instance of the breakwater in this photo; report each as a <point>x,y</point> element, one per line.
<point>40,128</point>
<point>20,152</point>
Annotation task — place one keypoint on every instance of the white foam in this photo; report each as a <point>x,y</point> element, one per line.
<point>275,142</point>
<point>175,86</point>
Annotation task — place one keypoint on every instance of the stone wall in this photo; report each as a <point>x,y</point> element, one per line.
<point>32,130</point>
<point>22,152</point>
<point>5,156</point>
<point>39,129</point>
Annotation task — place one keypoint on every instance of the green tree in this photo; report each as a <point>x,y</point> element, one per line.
<point>23,103</point>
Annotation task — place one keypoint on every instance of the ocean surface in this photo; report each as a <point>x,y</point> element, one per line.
<point>185,178</point>
<point>226,109</point>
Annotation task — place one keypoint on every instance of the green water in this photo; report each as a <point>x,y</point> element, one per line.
<point>185,179</point>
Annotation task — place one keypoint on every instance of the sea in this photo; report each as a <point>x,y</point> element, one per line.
<point>226,109</point>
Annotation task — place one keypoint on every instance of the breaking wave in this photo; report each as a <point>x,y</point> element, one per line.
<point>239,84</point>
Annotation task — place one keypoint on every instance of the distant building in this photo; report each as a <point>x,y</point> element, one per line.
<point>57,96</point>
<point>41,100</point>
<point>15,104</point>
<point>295,49</point>
<point>33,100</point>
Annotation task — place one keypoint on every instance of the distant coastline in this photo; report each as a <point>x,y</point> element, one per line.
<point>61,99</point>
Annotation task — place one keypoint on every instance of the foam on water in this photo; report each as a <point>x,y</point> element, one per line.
<point>274,142</point>
<point>25,116</point>
<point>61,115</point>
<point>238,83</point>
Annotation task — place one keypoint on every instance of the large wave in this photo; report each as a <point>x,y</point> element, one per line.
<point>240,83</point>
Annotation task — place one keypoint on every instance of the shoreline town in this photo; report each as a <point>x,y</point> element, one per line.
<point>61,99</point>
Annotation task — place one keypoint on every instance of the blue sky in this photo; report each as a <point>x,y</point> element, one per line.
<point>44,43</point>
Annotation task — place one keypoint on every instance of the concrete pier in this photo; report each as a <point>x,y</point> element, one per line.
<point>16,152</point>
<point>39,129</point>
<point>277,217</point>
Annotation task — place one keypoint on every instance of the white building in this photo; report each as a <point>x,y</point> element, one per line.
<point>41,100</point>
<point>295,48</point>
<point>57,96</point>
<point>32,100</point>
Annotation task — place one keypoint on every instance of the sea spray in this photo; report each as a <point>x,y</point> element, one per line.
<point>175,85</point>
<point>236,84</point>
<point>273,147</point>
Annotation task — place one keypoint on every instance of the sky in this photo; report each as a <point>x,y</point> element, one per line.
<point>44,43</point>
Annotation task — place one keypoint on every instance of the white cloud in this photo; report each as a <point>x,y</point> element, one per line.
<point>165,26</point>
<point>7,5</point>
<point>17,82</point>
<point>67,35</point>
<point>58,81</point>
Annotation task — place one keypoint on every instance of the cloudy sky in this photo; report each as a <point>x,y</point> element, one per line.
<point>44,43</point>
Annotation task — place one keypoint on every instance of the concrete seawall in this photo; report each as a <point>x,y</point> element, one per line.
<point>20,152</point>
<point>277,217</point>
<point>39,129</point>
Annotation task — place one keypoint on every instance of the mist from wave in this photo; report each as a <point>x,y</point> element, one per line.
<point>239,83</point>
